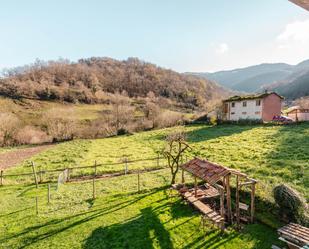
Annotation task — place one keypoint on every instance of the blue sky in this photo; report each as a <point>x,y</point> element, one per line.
<point>184,35</point>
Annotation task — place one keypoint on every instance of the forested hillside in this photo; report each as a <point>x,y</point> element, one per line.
<point>295,87</point>
<point>87,80</point>
<point>97,97</point>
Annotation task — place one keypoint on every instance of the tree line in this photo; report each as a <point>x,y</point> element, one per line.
<point>87,80</point>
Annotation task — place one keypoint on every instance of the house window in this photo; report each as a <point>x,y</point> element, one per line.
<point>257,113</point>
<point>244,104</point>
<point>244,113</point>
<point>233,104</point>
<point>258,102</point>
<point>232,113</point>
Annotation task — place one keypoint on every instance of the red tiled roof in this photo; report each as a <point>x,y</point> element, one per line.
<point>208,171</point>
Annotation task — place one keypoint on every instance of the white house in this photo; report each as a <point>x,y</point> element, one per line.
<point>262,106</point>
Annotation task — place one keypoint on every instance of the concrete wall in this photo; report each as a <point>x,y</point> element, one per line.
<point>271,106</point>
<point>251,111</point>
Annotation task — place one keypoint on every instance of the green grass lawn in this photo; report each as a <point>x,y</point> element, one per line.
<point>121,218</point>
<point>271,154</point>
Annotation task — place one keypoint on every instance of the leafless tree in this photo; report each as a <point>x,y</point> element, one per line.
<point>176,146</point>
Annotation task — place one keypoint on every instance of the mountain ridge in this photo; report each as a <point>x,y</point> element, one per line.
<point>256,78</point>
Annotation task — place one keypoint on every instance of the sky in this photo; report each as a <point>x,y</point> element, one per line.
<point>183,35</point>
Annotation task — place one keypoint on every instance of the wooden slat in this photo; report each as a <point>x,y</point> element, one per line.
<point>295,233</point>
<point>204,208</point>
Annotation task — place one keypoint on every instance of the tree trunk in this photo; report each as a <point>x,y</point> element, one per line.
<point>173,178</point>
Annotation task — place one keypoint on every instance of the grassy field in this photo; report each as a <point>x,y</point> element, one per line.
<point>271,154</point>
<point>119,218</point>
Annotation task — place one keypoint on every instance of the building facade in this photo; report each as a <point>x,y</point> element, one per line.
<point>298,114</point>
<point>255,107</point>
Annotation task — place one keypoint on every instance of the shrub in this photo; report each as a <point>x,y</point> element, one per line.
<point>291,203</point>
<point>168,119</point>
<point>9,125</point>
<point>243,122</point>
<point>31,135</point>
<point>60,124</point>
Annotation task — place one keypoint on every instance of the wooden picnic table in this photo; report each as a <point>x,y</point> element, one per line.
<point>295,235</point>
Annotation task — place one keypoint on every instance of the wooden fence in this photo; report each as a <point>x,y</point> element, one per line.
<point>38,176</point>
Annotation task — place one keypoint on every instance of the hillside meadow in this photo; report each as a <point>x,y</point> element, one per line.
<point>122,218</point>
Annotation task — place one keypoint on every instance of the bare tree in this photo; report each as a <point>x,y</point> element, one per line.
<point>152,111</point>
<point>176,146</point>
<point>303,102</point>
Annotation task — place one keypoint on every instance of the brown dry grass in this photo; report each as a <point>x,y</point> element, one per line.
<point>11,158</point>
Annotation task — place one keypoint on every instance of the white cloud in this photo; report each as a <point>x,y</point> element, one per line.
<point>221,48</point>
<point>294,34</point>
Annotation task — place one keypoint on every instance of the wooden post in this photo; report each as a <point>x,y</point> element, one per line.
<point>182,176</point>
<point>237,201</point>
<point>69,173</point>
<point>93,188</point>
<point>158,160</point>
<point>125,166</point>
<point>1,178</point>
<point>252,201</point>
<point>296,117</point>
<point>138,182</point>
<point>40,175</point>
<point>95,168</point>
<point>36,205</point>
<point>228,198</point>
<point>48,194</point>
<point>195,186</point>
<point>222,202</point>
<point>35,175</point>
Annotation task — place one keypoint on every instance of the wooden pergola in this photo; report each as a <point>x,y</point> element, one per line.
<point>217,180</point>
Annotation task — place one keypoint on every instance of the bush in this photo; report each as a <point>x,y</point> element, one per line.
<point>168,119</point>
<point>291,203</point>
<point>31,135</point>
<point>242,122</point>
<point>60,124</point>
<point>9,126</point>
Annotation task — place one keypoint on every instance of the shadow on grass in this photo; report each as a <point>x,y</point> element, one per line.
<point>56,226</point>
<point>144,231</point>
<point>205,133</point>
<point>290,158</point>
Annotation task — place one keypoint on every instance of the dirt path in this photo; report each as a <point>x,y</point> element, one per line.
<point>11,158</point>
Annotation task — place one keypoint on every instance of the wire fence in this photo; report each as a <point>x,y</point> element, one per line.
<point>97,170</point>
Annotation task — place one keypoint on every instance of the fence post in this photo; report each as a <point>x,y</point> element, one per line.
<point>158,160</point>
<point>138,182</point>
<point>35,175</point>
<point>95,168</point>
<point>125,166</point>
<point>40,175</point>
<point>48,194</point>
<point>1,178</point>
<point>93,188</point>
<point>36,205</point>
<point>68,172</point>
